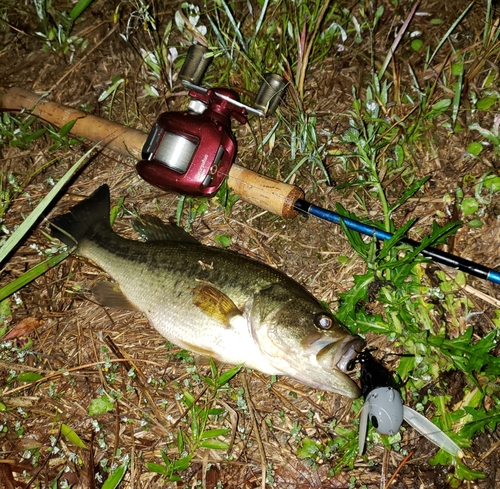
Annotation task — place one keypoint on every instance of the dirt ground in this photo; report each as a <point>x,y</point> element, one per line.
<point>70,331</point>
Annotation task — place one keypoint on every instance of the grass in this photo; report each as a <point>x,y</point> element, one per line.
<point>391,123</point>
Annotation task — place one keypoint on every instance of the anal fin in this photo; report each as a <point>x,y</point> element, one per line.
<point>109,294</point>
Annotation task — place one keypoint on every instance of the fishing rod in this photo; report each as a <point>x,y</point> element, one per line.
<point>192,152</point>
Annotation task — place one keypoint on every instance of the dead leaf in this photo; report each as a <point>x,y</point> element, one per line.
<point>22,328</point>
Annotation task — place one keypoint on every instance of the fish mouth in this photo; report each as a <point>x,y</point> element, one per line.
<point>337,355</point>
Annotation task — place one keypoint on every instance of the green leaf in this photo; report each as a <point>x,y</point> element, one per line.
<point>214,444</point>
<point>357,293</point>
<point>469,205</point>
<point>464,473</point>
<point>115,211</point>
<point>223,239</point>
<point>492,183</point>
<point>67,128</point>
<point>355,239</point>
<point>308,448</point>
<point>417,44</point>
<point>215,433</point>
<point>70,434</point>
<point>79,8</point>
<point>156,468</point>
<point>407,194</point>
<point>29,377</point>
<point>5,310</point>
<point>481,419</point>
<point>439,107</point>
<point>216,411</point>
<point>117,81</point>
<point>113,481</point>
<point>487,102</point>
<point>475,223</point>
<point>457,69</point>
<point>101,405</point>
<point>475,148</point>
<point>181,464</point>
<point>228,375</point>
<point>398,235</point>
<point>468,356</point>
<point>180,443</point>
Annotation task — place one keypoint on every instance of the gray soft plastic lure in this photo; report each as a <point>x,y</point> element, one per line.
<point>385,409</point>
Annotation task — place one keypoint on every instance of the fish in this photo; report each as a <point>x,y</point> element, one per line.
<point>212,301</point>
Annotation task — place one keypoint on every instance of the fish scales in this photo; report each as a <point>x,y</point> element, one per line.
<point>213,301</point>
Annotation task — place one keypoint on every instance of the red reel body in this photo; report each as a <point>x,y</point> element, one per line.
<point>191,152</point>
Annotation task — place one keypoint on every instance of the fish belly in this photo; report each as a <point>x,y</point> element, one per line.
<point>165,296</point>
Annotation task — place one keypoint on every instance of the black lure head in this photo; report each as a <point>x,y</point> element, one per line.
<point>373,373</point>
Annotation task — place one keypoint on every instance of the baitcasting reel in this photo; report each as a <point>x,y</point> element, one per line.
<point>191,152</point>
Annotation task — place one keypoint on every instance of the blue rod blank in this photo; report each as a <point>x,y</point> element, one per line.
<point>436,255</point>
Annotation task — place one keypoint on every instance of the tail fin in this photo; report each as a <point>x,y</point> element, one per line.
<point>84,218</point>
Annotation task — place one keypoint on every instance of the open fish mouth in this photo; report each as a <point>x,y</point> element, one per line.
<point>339,354</point>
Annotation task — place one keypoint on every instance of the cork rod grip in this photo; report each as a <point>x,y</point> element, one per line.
<point>116,137</point>
<point>266,193</point>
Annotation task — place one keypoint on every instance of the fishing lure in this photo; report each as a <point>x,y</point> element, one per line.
<point>385,409</point>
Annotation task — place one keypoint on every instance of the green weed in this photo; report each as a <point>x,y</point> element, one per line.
<point>196,433</point>
<point>57,26</point>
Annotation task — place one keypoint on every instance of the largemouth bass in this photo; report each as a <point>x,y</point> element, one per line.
<point>213,301</point>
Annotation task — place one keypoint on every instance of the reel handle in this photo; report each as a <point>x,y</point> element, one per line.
<point>266,193</point>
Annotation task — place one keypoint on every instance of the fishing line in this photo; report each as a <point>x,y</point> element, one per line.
<point>442,257</point>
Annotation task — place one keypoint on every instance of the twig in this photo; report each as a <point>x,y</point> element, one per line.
<point>401,465</point>
<point>257,432</point>
<point>396,42</point>
<point>53,375</point>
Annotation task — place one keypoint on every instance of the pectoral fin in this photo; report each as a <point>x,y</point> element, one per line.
<point>215,303</point>
<point>109,295</point>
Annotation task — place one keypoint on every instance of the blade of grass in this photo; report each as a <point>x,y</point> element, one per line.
<point>79,8</point>
<point>236,26</point>
<point>21,232</point>
<point>261,17</point>
<point>487,25</point>
<point>448,32</point>
<point>396,42</point>
<point>458,93</point>
<point>32,274</point>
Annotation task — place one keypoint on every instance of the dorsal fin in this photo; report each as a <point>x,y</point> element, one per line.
<point>152,228</point>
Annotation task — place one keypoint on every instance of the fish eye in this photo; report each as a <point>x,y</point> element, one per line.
<point>323,321</point>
